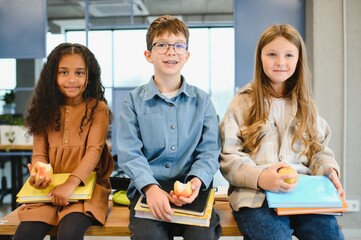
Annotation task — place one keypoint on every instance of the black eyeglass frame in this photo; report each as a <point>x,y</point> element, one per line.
<point>170,45</point>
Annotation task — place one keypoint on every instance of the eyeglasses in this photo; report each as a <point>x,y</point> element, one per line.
<point>162,47</point>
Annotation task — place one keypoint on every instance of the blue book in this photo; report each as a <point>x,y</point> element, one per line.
<point>311,191</point>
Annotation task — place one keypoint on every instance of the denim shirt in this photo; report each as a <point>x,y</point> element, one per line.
<point>167,139</point>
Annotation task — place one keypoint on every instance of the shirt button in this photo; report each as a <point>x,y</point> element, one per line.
<point>282,157</point>
<point>170,104</point>
<point>172,126</point>
<point>66,142</point>
<point>172,148</point>
<point>167,165</point>
<point>66,120</point>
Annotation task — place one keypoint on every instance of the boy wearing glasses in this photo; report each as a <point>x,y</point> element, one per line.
<point>168,131</point>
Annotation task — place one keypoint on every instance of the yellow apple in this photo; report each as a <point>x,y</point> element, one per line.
<point>288,170</point>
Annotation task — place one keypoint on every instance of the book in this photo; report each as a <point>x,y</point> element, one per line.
<point>29,194</point>
<point>181,218</point>
<point>310,191</point>
<point>197,207</point>
<point>327,210</point>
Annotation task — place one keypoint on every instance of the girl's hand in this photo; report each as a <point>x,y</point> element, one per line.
<point>40,183</point>
<point>158,202</point>
<point>332,175</point>
<point>196,186</point>
<point>61,193</point>
<point>271,180</point>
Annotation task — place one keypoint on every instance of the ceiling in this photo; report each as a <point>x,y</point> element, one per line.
<point>70,14</point>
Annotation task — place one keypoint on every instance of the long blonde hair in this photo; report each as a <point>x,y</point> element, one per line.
<point>297,88</point>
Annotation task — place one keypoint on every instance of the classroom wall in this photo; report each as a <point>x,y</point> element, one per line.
<point>23,24</point>
<point>335,64</point>
<point>251,19</point>
<point>333,34</point>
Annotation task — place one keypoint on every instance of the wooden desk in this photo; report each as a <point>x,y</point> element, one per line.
<point>118,220</point>
<point>15,154</point>
<point>16,147</point>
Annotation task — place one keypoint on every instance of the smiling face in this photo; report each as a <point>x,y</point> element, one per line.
<point>279,61</point>
<point>72,78</point>
<point>170,64</point>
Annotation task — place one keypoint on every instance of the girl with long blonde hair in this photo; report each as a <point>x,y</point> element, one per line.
<point>272,123</point>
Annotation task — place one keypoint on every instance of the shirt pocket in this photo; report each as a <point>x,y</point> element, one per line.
<point>151,128</point>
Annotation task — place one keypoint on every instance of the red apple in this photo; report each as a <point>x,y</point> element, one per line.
<point>40,169</point>
<point>183,189</point>
<point>288,170</point>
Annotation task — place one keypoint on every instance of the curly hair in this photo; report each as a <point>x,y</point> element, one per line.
<point>297,88</point>
<point>44,108</point>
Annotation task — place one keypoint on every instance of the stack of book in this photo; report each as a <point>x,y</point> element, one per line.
<point>29,194</point>
<point>312,195</point>
<point>198,213</point>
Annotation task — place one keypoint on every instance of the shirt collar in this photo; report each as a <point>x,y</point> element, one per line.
<point>151,90</point>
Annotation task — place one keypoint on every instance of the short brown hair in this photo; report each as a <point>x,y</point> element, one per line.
<point>166,24</point>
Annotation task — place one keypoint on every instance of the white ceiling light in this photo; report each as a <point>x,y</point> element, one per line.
<point>116,8</point>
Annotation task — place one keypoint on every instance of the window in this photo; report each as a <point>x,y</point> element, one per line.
<point>221,68</point>
<point>197,69</point>
<point>8,77</point>
<point>120,54</point>
<point>8,73</point>
<point>131,69</point>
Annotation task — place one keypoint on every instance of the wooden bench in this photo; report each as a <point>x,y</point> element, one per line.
<point>118,220</point>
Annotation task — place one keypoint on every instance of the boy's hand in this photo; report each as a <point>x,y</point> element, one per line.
<point>196,186</point>
<point>158,202</point>
<point>271,180</point>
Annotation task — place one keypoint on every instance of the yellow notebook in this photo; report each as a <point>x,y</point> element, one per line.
<point>181,218</point>
<point>29,194</point>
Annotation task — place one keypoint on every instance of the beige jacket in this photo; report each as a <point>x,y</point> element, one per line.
<point>242,170</point>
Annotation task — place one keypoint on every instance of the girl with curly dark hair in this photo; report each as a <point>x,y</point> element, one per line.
<point>69,119</point>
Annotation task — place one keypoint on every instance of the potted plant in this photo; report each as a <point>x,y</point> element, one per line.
<point>9,99</point>
<point>13,131</point>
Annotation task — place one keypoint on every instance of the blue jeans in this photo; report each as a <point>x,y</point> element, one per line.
<point>145,229</point>
<point>263,223</point>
